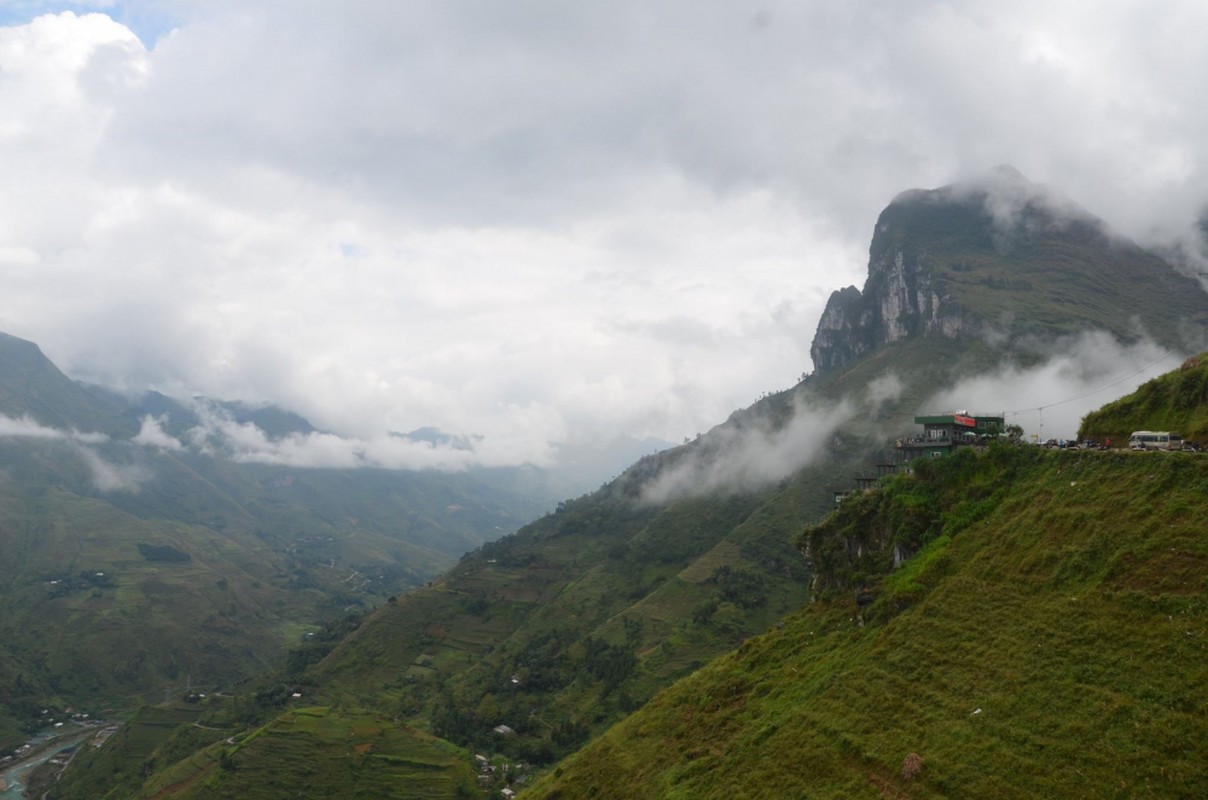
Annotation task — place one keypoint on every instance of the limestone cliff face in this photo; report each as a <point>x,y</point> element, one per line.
<point>901,298</point>
<point>998,254</point>
<point>842,334</point>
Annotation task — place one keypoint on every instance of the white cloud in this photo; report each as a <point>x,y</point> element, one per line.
<point>756,448</point>
<point>1048,400</point>
<point>152,434</point>
<point>752,455</point>
<point>883,389</point>
<point>536,222</point>
<point>105,476</point>
<point>109,477</point>
<point>26,427</point>
<point>18,256</point>
<point>221,436</point>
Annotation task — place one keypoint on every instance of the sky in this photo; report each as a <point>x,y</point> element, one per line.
<point>534,222</point>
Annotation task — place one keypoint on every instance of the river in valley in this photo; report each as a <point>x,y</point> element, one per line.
<point>43,747</point>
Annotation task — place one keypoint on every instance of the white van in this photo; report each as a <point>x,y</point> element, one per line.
<point>1155,440</point>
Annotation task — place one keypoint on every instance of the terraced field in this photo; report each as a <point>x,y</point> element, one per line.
<point>321,752</point>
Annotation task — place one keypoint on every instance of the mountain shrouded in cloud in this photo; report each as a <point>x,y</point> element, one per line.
<point>444,261</point>
<point>999,259</point>
<point>989,291</point>
<point>122,443</point>
<point>195,543</point>
<point>544,225</point>
<point>986,292</point>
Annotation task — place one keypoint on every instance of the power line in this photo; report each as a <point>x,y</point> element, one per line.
<point>1120,380</point>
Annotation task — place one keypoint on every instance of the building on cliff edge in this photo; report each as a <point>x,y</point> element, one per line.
<point>943,433</point>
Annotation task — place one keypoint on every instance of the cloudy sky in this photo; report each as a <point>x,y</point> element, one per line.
<point>535,221</point>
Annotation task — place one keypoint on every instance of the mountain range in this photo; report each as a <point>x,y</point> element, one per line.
<point>675,600</point>
<point>138,557</point>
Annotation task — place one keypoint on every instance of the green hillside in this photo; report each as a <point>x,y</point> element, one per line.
<point>556,632</point>
<point>129,573</point>
<point>565,627</point>
<point>558,636</point>
<point>1050,639</point>
<point>1177,401</point>
<point>312,752</point>
<point>207,572</point>
<point>30,385</point>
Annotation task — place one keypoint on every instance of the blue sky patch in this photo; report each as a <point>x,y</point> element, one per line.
<point>148,20</point>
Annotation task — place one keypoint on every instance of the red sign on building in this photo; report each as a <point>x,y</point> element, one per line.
<point>968,422</point>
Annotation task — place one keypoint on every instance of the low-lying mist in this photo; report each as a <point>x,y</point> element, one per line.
<point>104,475</point>
<point>220,436</point>
<point>764,448</point>
<point>1048,400</point>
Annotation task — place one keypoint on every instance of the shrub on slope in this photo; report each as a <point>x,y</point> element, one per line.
<point>1056,647</point>
<point>1176,401</point>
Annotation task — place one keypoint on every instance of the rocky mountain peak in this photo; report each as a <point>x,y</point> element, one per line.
<point>902,296</point>
<point>997,253</point>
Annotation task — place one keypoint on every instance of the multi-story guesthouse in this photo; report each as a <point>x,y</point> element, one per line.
<point>943,433</point>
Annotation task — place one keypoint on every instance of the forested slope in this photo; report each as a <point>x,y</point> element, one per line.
<point>1048,638</point>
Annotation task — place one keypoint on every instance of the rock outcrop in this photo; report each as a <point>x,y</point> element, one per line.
<point>901,298</point>
<point>1001,258</point>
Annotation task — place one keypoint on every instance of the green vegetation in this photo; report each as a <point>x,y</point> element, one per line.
<point>185,570</point>
<point>909,513</point>
<point>321,752</point>
<point>1176,401</point>
<point>31,386</point>
<point>988,583</point>
<point>314,751</point>
<point>1051,645</point>
<point>556,632</point>
<point>154,734</point>
<point>162,552</point>
<point>559,631</point>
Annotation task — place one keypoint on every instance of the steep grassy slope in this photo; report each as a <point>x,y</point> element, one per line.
<point>30,385</point>
<point>565,627</point>
<point>562,630</point>
<point>579,618</point>
<point>1050,643</point>
<point>589,619</point>
<point>1177,401</point>
<point>134,747</point>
